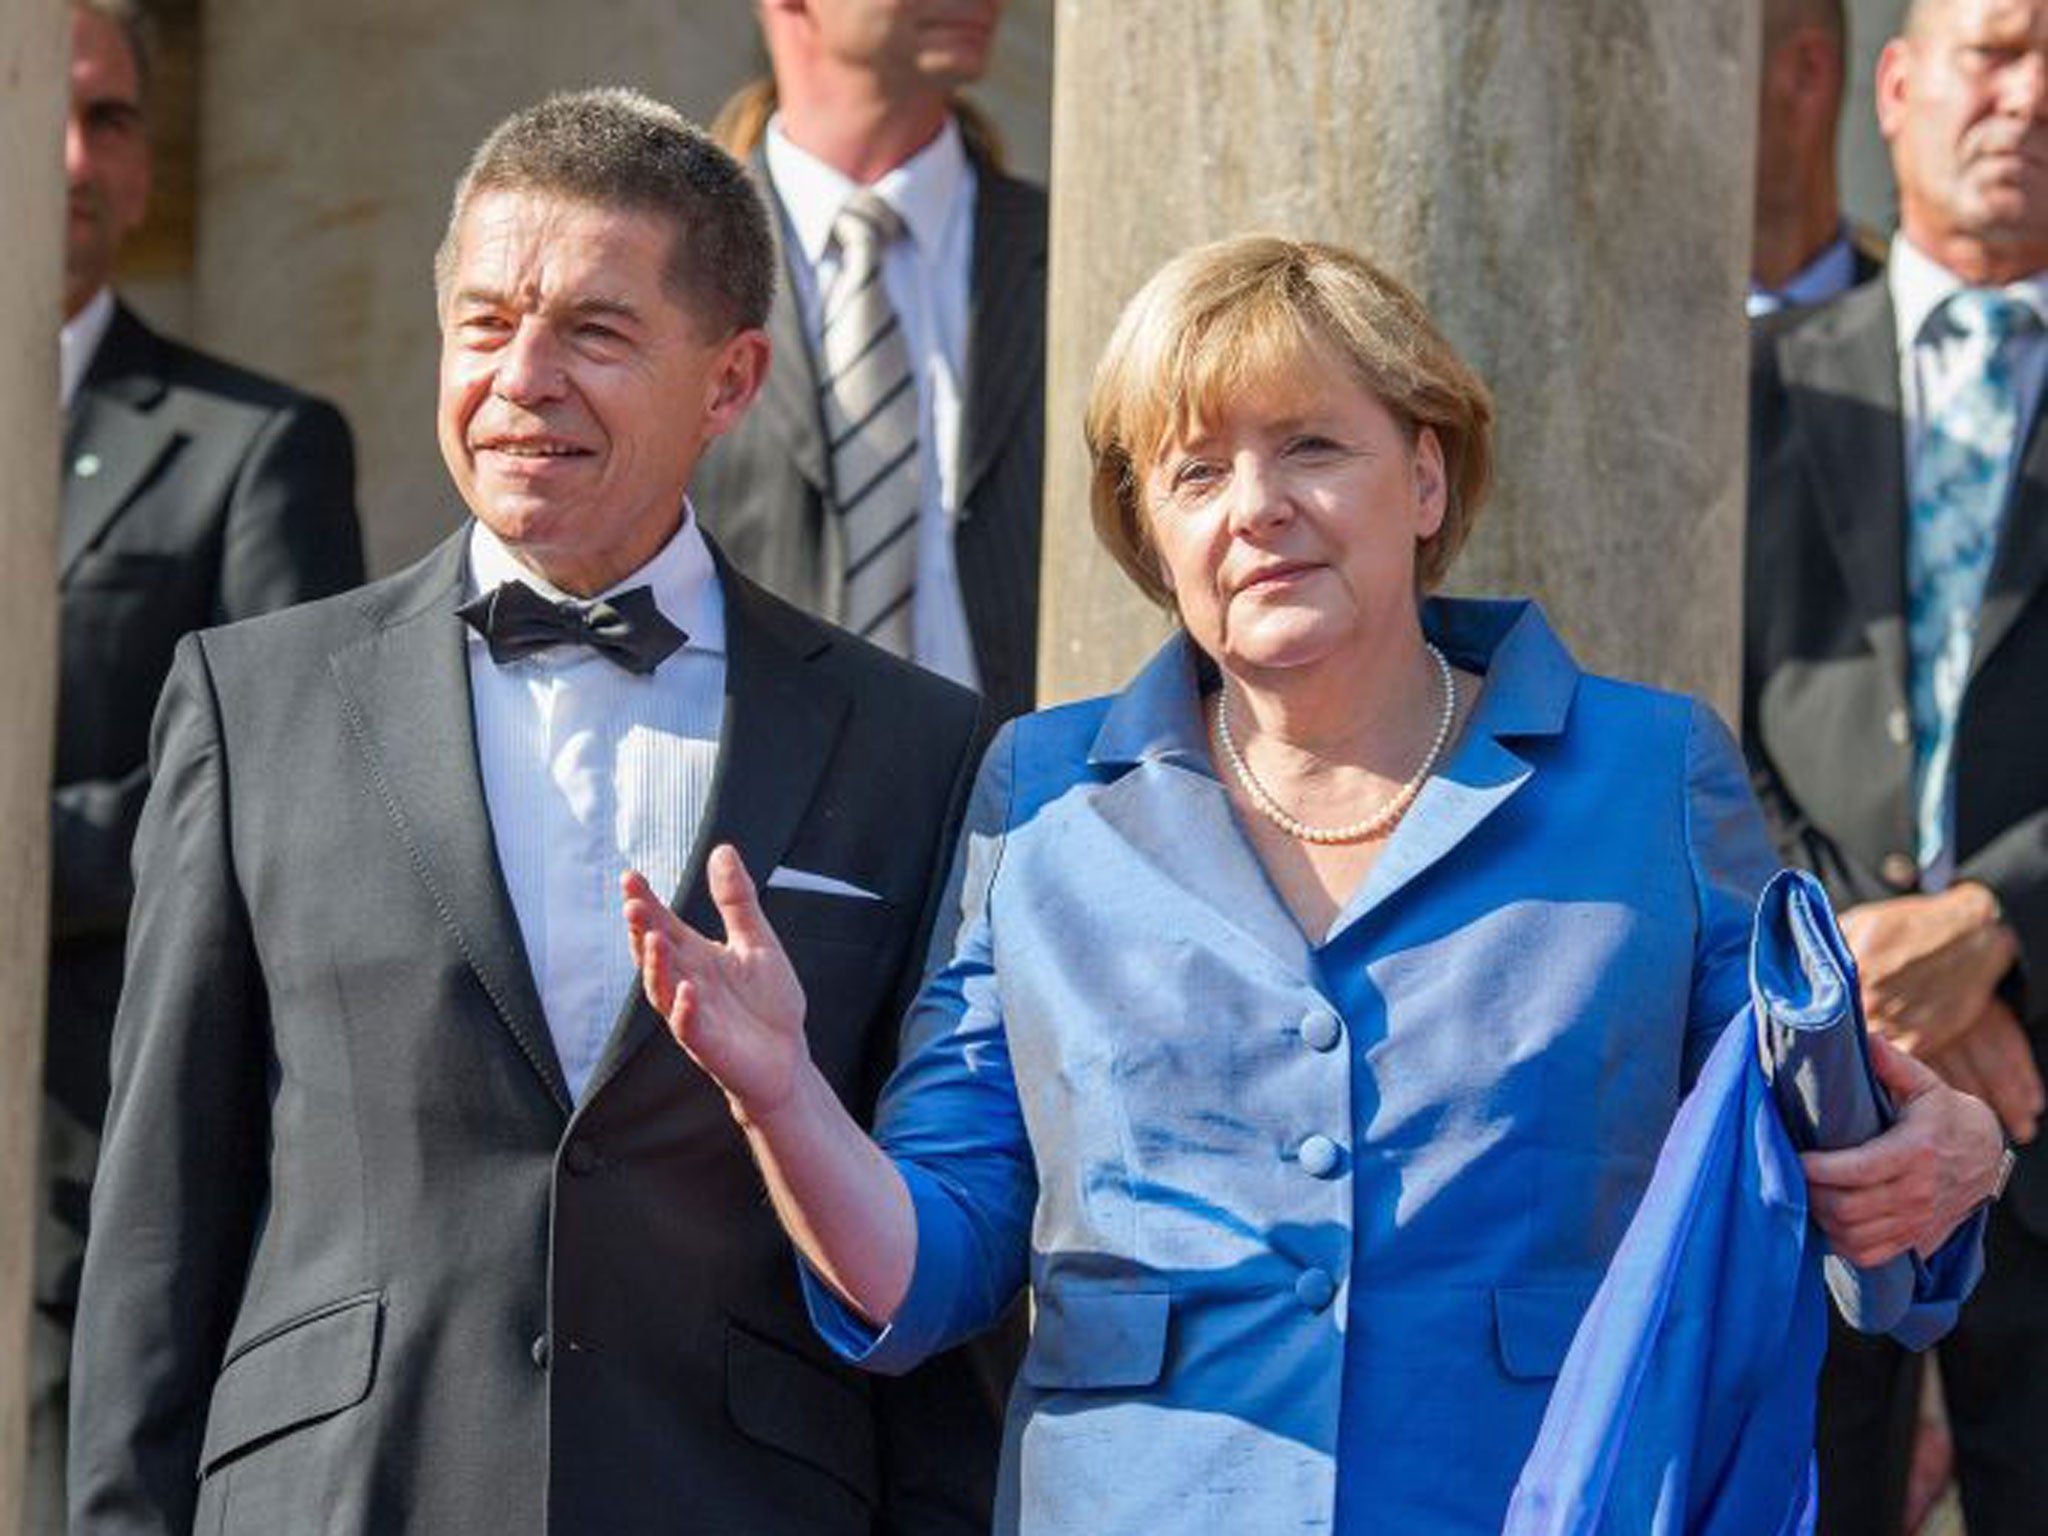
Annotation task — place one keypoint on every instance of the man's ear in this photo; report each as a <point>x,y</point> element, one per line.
<point>1894,65</point>
<point>736,378</point>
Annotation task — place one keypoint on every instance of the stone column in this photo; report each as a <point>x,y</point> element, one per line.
<point>1566,183</point>
<point>32,52</point>
<point>320,199</point>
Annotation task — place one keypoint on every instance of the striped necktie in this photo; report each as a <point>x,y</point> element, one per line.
<point>1960,482</point>
<point>870,406</point>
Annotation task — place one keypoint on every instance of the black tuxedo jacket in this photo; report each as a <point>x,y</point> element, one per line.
<point>358,1265</point>
<point>762,488</point>
<point>193,493</point>
<point>1825,718</point>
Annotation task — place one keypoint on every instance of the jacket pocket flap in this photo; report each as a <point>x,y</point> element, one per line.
<point>1086,1338</point>
<point>807,1410</point>
<point>1535,1324</point>
<point>306,1369</point>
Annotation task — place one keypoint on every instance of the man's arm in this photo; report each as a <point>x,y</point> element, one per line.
<point>289,534</point>
<point>182,1167</point>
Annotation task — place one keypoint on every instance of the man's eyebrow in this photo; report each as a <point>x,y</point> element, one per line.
<point>581,308</point>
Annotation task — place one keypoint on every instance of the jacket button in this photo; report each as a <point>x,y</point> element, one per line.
<point>1315,1289</point>
<point>539,1351</point>
<point>1898,727</point>
<point>1900,871</point>
<point>581,1159</point>
<point>1320,1157</point>
<point>1321,1031</point>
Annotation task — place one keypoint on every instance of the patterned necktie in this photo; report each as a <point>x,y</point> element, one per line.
<point>1960,481</point>
<point>870,402</point>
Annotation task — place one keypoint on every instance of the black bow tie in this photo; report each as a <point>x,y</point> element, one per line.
<point>626,628</point>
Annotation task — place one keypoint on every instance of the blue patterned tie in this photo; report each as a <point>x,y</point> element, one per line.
<point>1960,481</point>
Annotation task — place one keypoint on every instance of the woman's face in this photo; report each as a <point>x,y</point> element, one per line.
<point>1287,526</point>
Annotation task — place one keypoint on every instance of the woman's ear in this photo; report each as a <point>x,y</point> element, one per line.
<point>1432,492</point>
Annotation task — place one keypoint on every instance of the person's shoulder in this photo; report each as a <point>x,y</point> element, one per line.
<point>877,680</point>
<point>202,381</point>
<point>314,630</point>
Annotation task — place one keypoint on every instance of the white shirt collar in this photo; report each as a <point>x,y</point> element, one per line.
<point>684,580</point>
<point>78,341</point>
<point>1920,284</point>
<point>924,189</point>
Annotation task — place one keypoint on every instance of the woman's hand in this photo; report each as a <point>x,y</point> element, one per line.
<point>736,1007</point>
<point>1909,1188</point>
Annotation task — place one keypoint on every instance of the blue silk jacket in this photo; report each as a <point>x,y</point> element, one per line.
<point>1309,1226</point>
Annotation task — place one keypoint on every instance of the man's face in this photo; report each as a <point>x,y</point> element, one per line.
<point>106,156</point>
<point>1963,101</point>
<point>577,392</point>
<point>932,43</point>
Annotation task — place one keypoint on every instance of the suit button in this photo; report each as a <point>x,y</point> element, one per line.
<point>1321,1031</point>
<point>1898,727</point>
<point>1320,1157</point>
<point>1315,1289</point>
<point>1900,871</point>
<point>581,1159</point>
<point>539,1351</point>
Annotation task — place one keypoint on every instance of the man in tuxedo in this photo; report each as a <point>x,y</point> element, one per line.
<point>194,492</point>
<point>1802,250</point>
<point>411,1219</point>
<point>1896,639</point>
<point>891,478</point>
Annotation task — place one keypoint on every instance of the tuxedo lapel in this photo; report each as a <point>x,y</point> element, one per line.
<point>405,693</point>
<point>1842,375</point>
<point>782,718</point>
<point>114,439</point>
<point>1006,304</point>
<point>789,396</point>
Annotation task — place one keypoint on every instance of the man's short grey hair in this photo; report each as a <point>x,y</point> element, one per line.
<point>137,27</point>
<point>617,149</point>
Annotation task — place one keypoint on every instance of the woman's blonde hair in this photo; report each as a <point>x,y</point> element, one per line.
<point>1244,313</point>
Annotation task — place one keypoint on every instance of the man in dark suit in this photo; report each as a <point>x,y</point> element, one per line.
<point>411,1218</point>
<point>1896,639</point>
<point>193,493</point>
<point>1802,250</point>
<point>939,560</point>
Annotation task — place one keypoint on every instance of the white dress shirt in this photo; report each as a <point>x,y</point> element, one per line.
<point>78,341</point>
<point>589,771</point>
<point>926,276</point>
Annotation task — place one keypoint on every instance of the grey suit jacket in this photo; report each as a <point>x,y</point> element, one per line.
<point>1826,724</point>
<point>762,489</point>
<point>193,493</point>
<point>358,1265</point>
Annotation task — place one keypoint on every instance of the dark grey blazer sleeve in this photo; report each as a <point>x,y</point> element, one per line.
<point>181,1174</point>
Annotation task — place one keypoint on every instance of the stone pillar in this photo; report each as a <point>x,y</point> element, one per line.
<point>320,201</point>
<point>1567,184</point>
<point>32,75</point>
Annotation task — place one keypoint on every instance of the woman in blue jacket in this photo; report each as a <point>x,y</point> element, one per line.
<point>1312,1011</point>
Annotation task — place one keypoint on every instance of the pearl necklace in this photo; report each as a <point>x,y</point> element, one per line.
<point>1381,820</point>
